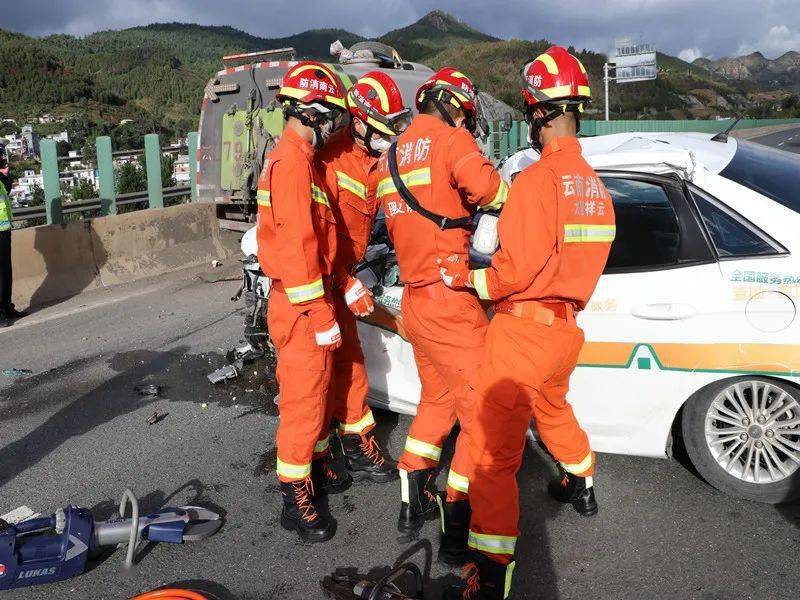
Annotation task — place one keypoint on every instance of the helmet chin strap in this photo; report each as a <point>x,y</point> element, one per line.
<point>536,124</point>
<point>365,139</point>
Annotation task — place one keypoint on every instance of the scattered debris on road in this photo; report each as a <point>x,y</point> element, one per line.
<point>244,355</point>
<point>156,417</point>
<point>16,373</point>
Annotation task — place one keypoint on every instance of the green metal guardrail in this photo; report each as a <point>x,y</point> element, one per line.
<point>107,177</point>
<point>502,143</point>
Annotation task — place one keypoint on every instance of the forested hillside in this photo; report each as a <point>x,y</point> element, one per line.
<point>154,75</point>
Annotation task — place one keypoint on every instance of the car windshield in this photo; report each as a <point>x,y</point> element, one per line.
<point>773,173</point>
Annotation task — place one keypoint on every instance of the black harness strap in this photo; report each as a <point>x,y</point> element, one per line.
<point>442,222</point>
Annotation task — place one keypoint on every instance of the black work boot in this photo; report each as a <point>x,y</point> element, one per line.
<point>12,313</point>
<point>330,474</point>
<point>301,515</point>
<point>419,488</point>
<point>455,531</point>
<point>578,491</point>
<point>365,460</point>
<point>485,580</point>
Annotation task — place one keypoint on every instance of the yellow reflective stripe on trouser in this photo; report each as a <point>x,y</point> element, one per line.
<point>412,178</point>
<point>589,233</point>
<point>499,199</point>
<point>304,293</point>
<point>263,197</point>
<point>351,185</point>
<point>479,281</point>
<point>317,195</point>
<point>509,576</point>
<point>322,445</point>
<point>493,544</point>
<point>423,449</point>
<point>366,421</point>
<point>581,467</point>
<point>293,471</point>
<point>458,482</point>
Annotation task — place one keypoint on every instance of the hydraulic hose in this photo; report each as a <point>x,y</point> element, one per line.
<point>171,594</point>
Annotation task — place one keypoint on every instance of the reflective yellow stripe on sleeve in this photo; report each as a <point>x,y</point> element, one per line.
<point>367,421</point>
<point>304,293</point>
<point>411,179</point>
<point>423,449</point>
<point>458,482</point>
<point>583,233</point>
<point>351,185</point>
<point>319,196</point>
<point>493,544</point>
<point>481,286</point>
<point>263,197</point>
<point>499,199</point>
<point>293,471</point>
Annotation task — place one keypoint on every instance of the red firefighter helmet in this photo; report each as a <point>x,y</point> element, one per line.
<point>310,82</point>
<point>556,77</point>
<point>450,85</point>
<point>376,99</point>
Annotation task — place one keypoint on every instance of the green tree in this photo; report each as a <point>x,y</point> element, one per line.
<point>38,196</point>
<point>83,190</point>
<point>131,178</point>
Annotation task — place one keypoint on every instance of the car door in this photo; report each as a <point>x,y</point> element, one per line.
<point>660,299</point>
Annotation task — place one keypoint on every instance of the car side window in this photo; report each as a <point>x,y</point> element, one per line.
<point>732,235</point>
<point>648,229</point>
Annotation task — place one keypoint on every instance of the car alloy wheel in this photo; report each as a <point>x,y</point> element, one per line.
<point>753,431</point>
<point>742,434</point>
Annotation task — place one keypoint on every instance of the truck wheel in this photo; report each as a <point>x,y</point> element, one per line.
<point>743,436</point>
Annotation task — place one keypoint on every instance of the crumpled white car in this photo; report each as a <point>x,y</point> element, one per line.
<point>693,329</point>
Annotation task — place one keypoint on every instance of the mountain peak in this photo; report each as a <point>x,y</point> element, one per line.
<point>438,19</point>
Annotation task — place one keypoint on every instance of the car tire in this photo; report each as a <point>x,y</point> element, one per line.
<point>767,474</point>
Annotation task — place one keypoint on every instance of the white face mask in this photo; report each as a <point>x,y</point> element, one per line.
<point>379,144</point>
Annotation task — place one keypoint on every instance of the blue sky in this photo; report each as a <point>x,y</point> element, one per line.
<point>713,28</point>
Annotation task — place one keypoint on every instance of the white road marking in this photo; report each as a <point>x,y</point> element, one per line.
<point>781,143</point>
<point>18,515</point>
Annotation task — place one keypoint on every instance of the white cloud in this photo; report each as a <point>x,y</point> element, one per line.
<point>690,54</point>
<point>779,40</point>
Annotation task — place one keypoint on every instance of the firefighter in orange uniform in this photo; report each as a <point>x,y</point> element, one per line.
<point>296,248</point>
<point>555,236</point>
<point>377,115</point>
<point>443,179</point>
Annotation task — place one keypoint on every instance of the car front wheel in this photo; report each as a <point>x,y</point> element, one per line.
<point>743,436</point>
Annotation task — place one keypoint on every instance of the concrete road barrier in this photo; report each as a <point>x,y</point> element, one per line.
<point>54,262</point>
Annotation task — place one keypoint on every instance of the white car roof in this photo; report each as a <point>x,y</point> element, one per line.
<point>644,152</point>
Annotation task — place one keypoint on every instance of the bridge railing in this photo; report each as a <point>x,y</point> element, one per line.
<point>108,200</point>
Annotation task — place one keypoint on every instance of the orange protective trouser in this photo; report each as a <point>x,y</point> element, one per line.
<point>304,375</point>
<point>350,376</point>
<point>446,329</point>
<point>525,372</point>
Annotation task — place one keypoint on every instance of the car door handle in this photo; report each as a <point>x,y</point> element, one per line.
<point>664,311</point>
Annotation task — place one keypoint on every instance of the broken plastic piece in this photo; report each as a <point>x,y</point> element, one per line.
<point>225,373</point>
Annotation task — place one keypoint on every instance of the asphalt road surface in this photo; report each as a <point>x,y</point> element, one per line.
<point>788,140</point>
<point>75,431</point>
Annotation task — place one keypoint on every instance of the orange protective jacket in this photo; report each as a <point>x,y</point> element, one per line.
<point>345,168</point>
<point>444,168</point>
<point>296,227</point>
<point>555,232</point>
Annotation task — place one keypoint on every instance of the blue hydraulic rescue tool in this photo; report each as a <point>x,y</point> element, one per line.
<point>54,548</point>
